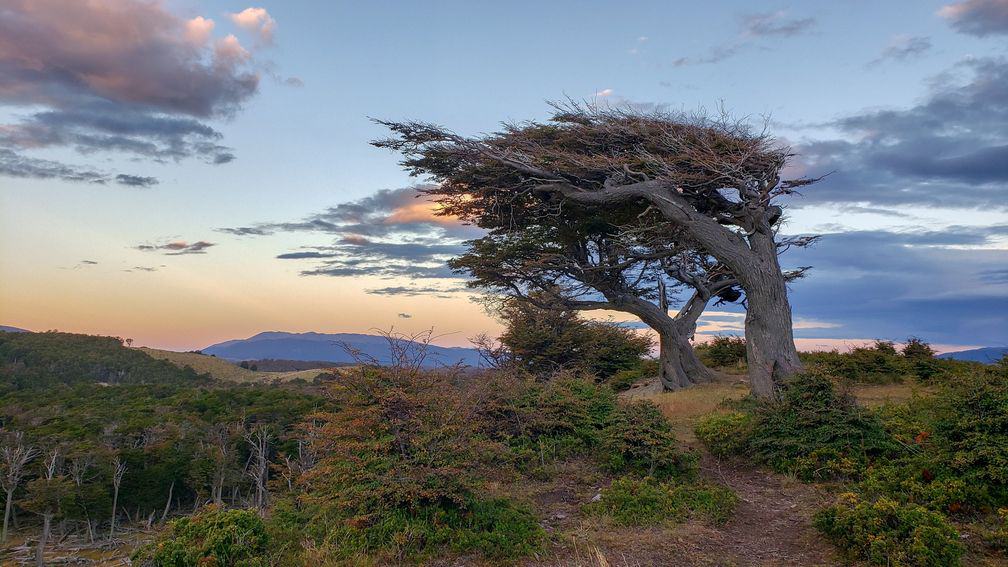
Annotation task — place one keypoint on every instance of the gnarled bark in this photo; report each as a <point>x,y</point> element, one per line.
<point>770,348</point>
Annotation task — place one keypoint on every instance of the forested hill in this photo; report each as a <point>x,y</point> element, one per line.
<point>96,404</point>
<point>44,359</point>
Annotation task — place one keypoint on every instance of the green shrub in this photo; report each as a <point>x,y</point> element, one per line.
<point>973,426</point>
<point>885,532</point>
<point>496,528</point>
<point>541,423</point>
<point>877,364</point>
<point>542,341</point>
<point>916,481</point>
<point>647,502</point>
<point>723,352</point>
<point>640,439</point>
<point>211,537</point>
<point>916,348</point>
<point>625,379</point>
<point>725,434</point>
<point>813,432</point>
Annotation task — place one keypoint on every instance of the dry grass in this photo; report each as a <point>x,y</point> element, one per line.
<point>685,407</point>
<point>226,371</point>
<point>876,395</point>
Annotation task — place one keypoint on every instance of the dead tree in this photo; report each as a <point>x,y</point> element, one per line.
<point>219,445</point>
<point>716,180</point>
<point>118,470</point>
<point>78,469</point>
<point>48,502</point>
<point>258,440</point>
<point>14,458</point>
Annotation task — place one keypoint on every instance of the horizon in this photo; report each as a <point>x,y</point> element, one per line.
<point>181,217</point>
<point>805,345</point>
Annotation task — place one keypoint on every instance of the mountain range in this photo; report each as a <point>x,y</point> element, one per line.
<point>330,347</point>
<point>986,355</point>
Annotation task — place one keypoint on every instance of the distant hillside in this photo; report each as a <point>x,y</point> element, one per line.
<point>327,347</point>
<point>7,329</point>
<point>986,355</point>
<point>221,369</point>
<point>42,360</point>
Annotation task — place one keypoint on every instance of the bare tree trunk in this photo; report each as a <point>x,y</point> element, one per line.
<point>7,513</point>
<point>258,470</point>
<point>40,548</point>
<point>14,456</point>
<point>119,469</point>
<point>770,350</point>
<point>115,505</point>
<point>678,365</point>
<point>167,505</point>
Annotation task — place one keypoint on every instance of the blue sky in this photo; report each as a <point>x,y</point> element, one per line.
<point>906,101</point>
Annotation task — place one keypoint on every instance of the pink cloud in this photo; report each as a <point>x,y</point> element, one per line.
<point>258,21</point>
<point>198,30</point>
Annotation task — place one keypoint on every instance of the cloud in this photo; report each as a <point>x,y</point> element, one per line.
<point>136,180</point>
<point>772,24</point>
<point>944,285</point>
<point>198,30</point>
<point>304,255</point>
<point>13,164</point>
<point>950,150</point>
<point>120,76</point>
<point>752,29</point>
<point>386,213</point>
<point>258,21</point>
<point>394,233</point>
<point>903,47</point>
<point>89,262</point>
<point>414,291</point>
<point>977,17</point>
<point>716,54</point>
<point>177,248</point>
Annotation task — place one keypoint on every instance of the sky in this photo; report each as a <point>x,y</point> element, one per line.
<point>183,172</point>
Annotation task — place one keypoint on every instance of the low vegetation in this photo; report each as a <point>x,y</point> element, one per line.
<point>913,476</point>
<point>402,465</point>
<point>645,501</point>
<point>383,465</point>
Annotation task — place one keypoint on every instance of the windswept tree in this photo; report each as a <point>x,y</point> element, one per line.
<point>716,180</point>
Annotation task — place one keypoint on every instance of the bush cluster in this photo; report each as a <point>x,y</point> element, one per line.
<point>886,532</point>
<point>723,352</point>
<point>210,537</point>
<point>405,462</point>
<point>915,466</point>
<point>813,432</point>
<point>882,363</point>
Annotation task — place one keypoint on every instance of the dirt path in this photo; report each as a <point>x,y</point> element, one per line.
<point>771,525</point>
